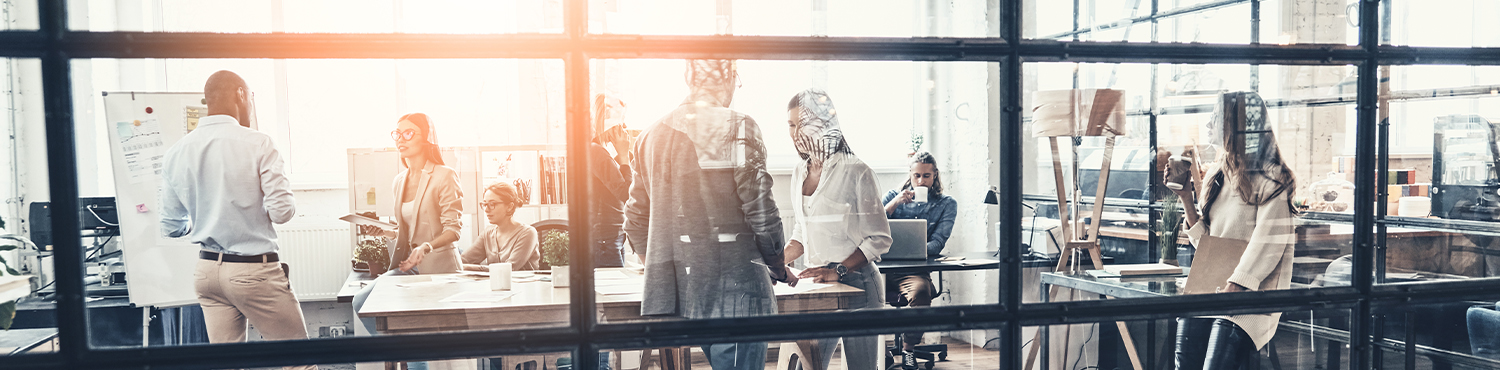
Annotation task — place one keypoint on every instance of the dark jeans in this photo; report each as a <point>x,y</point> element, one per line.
<point>1214,344</point>
<point>607,253</point>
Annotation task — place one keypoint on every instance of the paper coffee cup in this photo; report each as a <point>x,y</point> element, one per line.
<point>921,193</point>
<point>500,276</point>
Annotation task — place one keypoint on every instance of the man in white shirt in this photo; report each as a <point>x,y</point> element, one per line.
<point>222,188</point>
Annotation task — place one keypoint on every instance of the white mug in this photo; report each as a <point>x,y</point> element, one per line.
<point>921,193</point>
<point>500,276</point>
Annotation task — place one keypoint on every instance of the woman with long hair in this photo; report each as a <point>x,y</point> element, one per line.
<point>1247,196</point>
<point>505,240</point>
<point>428,207</point>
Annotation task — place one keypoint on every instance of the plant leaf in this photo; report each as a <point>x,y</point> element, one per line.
<point>8,270</point>
<point>7,248</point>
<point>7,314</point>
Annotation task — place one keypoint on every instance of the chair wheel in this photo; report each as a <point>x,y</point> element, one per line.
<point>928,365</point>
<point>943,356</point>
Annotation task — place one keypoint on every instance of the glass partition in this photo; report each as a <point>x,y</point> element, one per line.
<point>1315,339</point>
<point>884,18</point>
<point>331,16</point>
<point>380,194</point>
<point>1193,21</point>
<point>28,242</point>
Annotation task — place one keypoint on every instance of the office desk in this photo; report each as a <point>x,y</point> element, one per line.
<point>352,285</point>
<point>399,309</point>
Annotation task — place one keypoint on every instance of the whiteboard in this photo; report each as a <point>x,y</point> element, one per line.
<point>141,128</point>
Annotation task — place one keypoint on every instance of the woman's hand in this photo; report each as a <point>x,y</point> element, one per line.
<point>791,279</point>
<point>388,233</point>
<point>820,275</point>
<point>416,256</point>
<point>1231,288</point>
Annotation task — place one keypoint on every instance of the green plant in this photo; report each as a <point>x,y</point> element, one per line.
<point>916,142</point>
<point>372,252</point>
<point>1169,226</point>
<point>555,247</point>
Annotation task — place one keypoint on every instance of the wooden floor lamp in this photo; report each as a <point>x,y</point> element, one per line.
<point>1070,114</point>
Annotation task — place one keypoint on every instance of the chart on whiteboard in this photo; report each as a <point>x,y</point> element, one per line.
<point>142,144</point>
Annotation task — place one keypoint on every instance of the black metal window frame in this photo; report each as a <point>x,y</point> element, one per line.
<point>55,45</point>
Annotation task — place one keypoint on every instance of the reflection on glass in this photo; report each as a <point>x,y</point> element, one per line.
<point>856,18</point>
<point>27,241</point>
<point>971,349</point>
<point>1461,334</point>
<point>1294,340</point>
<point>1196,21</point>
<point>381,16</point>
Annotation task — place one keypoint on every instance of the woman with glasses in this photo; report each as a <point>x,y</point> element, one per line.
<point>505,240</point>
<point>428,207</point>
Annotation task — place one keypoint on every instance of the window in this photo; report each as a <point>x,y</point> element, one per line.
<point>521,76</point>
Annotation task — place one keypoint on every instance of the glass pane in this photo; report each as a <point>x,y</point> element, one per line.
<point>1440,182</point>
<point>1288,340</point>
<point>1446,23</point>
<point>476,178</point>
<point>522,361</point>
<point>1085,114</point>
<point>27,241</point>
<point>20,15</point>
<point>884,18</point>
<point>968,349</point>
<point>384,16</point>
<point>1459,334</point>
<point>1195,21</point>
<point>746,182</point>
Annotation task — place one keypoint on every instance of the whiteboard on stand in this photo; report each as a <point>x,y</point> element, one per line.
<point>142,125</point>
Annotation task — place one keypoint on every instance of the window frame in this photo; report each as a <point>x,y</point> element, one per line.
<point>56,46</point>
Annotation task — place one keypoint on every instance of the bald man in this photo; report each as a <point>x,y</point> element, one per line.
<point>222,188</point>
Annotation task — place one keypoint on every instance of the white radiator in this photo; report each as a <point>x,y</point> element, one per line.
<point>319,260</point>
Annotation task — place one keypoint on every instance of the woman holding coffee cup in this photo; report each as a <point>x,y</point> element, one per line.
<point>1247,197</point>
<point>921,197</point>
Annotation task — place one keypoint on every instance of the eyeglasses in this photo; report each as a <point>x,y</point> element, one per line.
<point>489,206</point>
<point>402,135</point>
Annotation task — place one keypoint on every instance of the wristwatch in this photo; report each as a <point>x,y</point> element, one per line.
<point>839,268</point>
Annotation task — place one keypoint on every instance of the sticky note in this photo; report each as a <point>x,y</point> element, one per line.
<point>141,208</point>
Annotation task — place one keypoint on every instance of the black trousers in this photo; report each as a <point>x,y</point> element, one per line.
<point>1214,344</point>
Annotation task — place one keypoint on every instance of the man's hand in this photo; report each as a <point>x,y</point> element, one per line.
<point>820,275</point>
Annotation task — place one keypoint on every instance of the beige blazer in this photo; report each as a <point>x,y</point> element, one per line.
<point>439,207</point>
<point>1267,262</point>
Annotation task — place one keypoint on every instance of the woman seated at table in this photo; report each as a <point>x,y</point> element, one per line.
<point>505,240</point>
<point>840,225</point>
<point>916,290</point>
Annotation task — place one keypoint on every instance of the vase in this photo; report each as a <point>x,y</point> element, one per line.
<point>376,270</point>
<point>1172,262</point>
<point>559,276</point>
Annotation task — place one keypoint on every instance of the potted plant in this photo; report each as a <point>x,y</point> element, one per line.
<point>369,249</point>
<point>372,253</point>
<point>555,254</point>
<point>1168,227</point>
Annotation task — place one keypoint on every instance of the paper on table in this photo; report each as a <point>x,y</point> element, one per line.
<point>619,289</point>
<point>478,297</point>
<point>610,275</point>
<point>802,286</point>
<point>436,280</point>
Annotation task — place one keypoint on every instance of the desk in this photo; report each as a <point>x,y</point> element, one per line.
<point>398,309</point>
<point>352,285</point>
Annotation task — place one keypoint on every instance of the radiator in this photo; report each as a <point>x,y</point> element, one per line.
<point>319,260</point>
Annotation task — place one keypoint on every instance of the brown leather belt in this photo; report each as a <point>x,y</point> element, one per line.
<point>261,258</point>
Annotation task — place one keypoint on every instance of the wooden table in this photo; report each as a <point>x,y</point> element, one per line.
<point>415,309</point>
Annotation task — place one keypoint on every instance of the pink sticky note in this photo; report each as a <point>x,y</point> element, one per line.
<point>141,208</point>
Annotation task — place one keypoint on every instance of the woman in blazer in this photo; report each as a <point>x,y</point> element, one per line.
<point>428,207</point>
<point>1247,196</point>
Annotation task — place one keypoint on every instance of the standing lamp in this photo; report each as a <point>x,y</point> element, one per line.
<point>1078,113</point>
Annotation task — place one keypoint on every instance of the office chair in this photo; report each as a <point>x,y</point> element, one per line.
<point>1483,323</point>
<point>927,354</point>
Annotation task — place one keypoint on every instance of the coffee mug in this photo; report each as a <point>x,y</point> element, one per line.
<point>920,193</point>
<point>1180,167</point>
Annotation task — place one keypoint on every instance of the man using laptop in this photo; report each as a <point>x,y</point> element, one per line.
<point>920,198</point>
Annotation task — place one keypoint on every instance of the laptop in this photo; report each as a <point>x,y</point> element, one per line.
<point>908,240</point>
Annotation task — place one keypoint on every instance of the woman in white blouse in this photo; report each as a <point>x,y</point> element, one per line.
<point>1247,196</point>
<point>840,226</point>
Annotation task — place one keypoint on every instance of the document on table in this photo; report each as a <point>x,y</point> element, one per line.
<point>610,275</point>
<point>478,297</point>
<point>436,280</point>
<point>620,289</point>
<point>802,286</point>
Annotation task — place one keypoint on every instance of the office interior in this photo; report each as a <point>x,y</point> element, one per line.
<point>1415,295</point>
